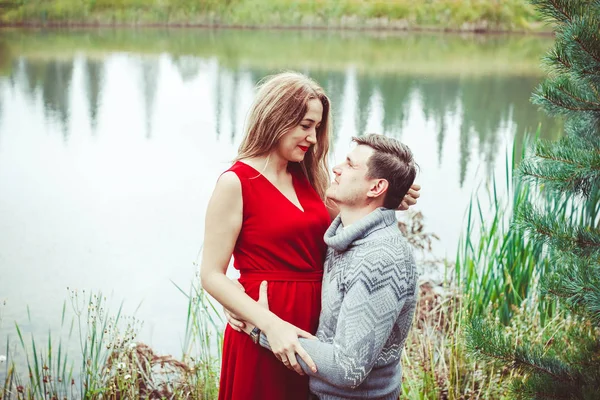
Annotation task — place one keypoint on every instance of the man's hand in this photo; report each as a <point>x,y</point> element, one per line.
<point>411,197</point>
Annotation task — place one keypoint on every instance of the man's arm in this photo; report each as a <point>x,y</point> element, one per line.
<point>377,290</point>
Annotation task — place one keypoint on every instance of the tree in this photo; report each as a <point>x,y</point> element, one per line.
<point>568,169</point>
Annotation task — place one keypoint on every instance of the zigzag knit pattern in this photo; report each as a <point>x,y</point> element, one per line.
<point>368,302</point>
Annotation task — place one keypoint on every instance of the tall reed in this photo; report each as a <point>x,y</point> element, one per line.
<point>495,274</point>
<point>111,362</point>
<point>499,266</point>
<point>203,341</point>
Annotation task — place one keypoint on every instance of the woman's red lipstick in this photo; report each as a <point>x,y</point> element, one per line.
<point>304,148</point>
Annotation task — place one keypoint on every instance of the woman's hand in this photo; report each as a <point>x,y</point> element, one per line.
<point>411,197</point>
<point>283,339</point>
<point>233,320</point>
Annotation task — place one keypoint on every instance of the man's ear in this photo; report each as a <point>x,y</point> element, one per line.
<point>378,188</point>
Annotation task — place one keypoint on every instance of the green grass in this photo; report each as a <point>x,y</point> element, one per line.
<point>109,361</point>
<point>203,339</point>
<point>466,15</point>
<point>498,266</point>
<point>497,270</point>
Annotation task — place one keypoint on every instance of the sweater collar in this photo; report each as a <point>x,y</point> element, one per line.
<point>340,239</point>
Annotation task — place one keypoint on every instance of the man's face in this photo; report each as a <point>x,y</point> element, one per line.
<point>351,185</point>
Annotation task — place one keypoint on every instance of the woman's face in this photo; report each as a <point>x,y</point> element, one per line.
<point>295,143</point>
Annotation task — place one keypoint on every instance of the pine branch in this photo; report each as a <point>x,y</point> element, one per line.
<point>571,164</point>
<point>558,104</point>
<point>594,89</point>
<point>557,60</point>
<point>565,221</point>
<point>584,31</point>
<point>577,98</point>
<point>544,388</point>
<point>558,235</point>
<point>583,131</point>
<point>561,172</point>
<point>574,149</point>
<point>527,358</point>
<point>563,95</point>
<point>561,11</point>
<point>577,282</point>
<point>578,44</point>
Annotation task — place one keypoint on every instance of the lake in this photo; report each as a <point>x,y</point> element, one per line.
<point>111,142</point>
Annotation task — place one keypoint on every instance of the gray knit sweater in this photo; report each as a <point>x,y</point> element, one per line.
<point>368,302</point>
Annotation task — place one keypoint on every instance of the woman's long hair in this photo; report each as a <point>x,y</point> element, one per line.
<point>280,105</point>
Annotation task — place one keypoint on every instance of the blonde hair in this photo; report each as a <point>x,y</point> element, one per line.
<point>280,105</point>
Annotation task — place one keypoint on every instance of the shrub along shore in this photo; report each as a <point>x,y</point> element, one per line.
<point>435,15</point>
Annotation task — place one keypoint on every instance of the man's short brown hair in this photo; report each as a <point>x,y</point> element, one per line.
<point>392,161</point>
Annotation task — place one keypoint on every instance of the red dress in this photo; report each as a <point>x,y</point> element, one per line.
<point>284,246</point>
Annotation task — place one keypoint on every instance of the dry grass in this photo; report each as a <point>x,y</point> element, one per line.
<point>436,364</point>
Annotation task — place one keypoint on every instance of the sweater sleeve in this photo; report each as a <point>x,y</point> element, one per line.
<point>377,288</point>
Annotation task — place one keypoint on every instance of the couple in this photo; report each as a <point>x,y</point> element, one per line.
<point>271,210</point>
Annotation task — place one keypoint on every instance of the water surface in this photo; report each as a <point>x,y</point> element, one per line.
<point>111,142</point>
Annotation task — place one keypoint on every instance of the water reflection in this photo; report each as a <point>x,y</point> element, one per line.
<point>110,143</point>
<point>485,105</point>
<point>53,79</point>
<point>150,71</point>
<point>188,67</point>
<point>94,76</point>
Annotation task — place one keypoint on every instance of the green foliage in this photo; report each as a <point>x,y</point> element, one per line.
<point>391,14</point>
<point>497,265</point>
<point>112,363</point>
<point>564,219</point>
<point>50,371</point>
<point>203,342</point>
<point>436,364</point>
<point>551,365</point>
<point>569,165</point>
<point>423,54</point>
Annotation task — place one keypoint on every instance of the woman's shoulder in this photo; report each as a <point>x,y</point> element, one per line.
<point>241,169</point>
<point>229,183</point>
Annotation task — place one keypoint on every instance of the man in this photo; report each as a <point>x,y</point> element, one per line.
<point>369,283</point>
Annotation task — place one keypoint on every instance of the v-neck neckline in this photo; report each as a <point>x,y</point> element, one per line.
<point>299,208</point>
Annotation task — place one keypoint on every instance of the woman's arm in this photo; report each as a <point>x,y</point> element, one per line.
<point>223,225</point>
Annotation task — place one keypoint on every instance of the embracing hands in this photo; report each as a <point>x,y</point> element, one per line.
<point>282,336</point>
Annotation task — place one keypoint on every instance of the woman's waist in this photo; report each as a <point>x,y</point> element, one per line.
<point>281,275</point>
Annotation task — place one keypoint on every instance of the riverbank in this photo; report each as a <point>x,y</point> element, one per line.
<point>381,52</point>
<point>482,16</point>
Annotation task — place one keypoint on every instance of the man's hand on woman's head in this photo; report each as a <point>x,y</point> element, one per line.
<point>411,197</point>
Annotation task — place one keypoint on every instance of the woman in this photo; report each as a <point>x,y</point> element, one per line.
<point>268,211</point>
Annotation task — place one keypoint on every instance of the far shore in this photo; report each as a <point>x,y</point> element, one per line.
<point>390,28</point>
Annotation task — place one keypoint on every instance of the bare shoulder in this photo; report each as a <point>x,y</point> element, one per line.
<point>229,183</point>
<point>227,194</point>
